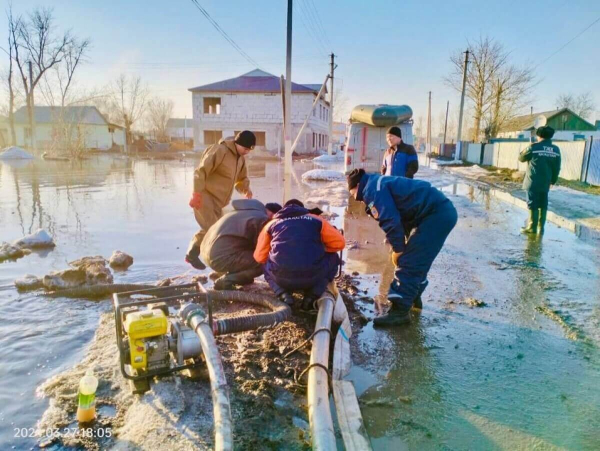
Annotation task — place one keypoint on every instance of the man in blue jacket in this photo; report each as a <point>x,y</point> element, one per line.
<point>401,158</point>
<point>415,208</point>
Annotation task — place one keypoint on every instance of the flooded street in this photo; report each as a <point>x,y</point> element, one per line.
<point>503,356</point>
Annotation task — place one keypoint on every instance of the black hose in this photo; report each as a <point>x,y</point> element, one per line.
<point>279,312</point>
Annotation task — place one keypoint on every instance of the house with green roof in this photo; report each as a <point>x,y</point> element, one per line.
<point>568,126</point>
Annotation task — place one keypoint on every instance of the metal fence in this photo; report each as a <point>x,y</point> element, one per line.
<point>591,169</point>
<point>580,159</point>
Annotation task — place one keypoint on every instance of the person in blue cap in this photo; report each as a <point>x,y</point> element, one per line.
<point>400,159</point>
<point>543,166</point>
<point>403,207</point>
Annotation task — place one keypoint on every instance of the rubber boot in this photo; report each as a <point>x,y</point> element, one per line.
<point>418,302</point>
<point>228,281</point>
<point>308,302</point>
<point>193,257</point>
<point>287,298</point>
<point>532,225</point>
<point>542,224</point>
<point>396,316</point>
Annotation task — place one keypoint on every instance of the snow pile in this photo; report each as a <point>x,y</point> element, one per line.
<point>334,194</point>
<point>37,240</point>
<point>15,153</point>
<point>449,162</point>
<point>329,158</point>
<point>12,252</point>
<point>323,174</point>
<point>474,171</point>
<point>29,282</point>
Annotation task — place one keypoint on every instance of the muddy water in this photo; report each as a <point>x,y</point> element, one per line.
<point>521,372</point>
<point>90,208</point>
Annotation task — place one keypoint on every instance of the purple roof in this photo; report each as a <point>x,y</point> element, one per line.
<point>254,81</point>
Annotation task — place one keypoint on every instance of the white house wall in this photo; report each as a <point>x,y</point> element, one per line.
<point>96,136</point>
<point>259,112</point>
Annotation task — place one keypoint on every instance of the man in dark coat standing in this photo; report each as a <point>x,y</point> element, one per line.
<point>543,166</point>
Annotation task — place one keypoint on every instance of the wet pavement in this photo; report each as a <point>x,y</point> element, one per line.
<point>521,371</point>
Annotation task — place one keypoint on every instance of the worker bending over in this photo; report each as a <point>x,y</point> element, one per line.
<point>415,208</point>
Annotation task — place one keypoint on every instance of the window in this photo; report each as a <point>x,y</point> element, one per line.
<point>212,136</point>
<point>261,138</point>
<point>212,105</point>
<point>314,144</point>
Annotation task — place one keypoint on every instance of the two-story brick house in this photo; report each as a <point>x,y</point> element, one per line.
<point>252,101</point>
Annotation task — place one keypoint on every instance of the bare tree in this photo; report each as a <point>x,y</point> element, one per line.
<point>159,113</point>
<point>341,110</point>
<point>57,84</point>
<point>583,104</point>
<point>419,127</point>
<point>492,82</point>
<point>14,24</point>
<point>37,43</point>
<point>509,94</point>
<point>128,100</point>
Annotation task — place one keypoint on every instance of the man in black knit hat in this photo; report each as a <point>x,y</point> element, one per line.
<point>401,158</point>
<point>543,165</point>
<point>221,169</point>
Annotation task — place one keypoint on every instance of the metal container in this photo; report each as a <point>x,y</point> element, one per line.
<point>381,115</point>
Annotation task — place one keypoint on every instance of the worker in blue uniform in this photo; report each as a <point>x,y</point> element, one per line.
<point>400,158</point>
<point>543,166</point>
<point>399,204</point>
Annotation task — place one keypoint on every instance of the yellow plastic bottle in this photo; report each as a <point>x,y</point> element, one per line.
<point>86,410</point>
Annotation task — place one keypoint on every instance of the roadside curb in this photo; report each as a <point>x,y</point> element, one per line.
<point>499,192</point>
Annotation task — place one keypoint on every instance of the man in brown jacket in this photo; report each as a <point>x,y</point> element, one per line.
<point>222,168</point>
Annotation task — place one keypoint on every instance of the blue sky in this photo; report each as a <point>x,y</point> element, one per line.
<point>388,51</point>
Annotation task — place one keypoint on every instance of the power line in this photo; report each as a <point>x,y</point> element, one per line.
<point>315,12</point>
<point>576,36</point>
<point>310,27</point>
<point>224,34</point>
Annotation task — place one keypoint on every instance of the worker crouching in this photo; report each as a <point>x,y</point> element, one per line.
<point>228,246</point>
<point>298,251</point>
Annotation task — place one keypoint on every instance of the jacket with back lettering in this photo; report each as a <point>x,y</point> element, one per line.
<point>295,242</point>
<point>543,166</point>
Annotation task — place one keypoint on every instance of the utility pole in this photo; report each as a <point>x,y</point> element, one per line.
<point>31,108</point>
<point>287,120</point>
<point>445,126</point>
<point>428,137</point>
<point>462,107</point>
<point>332,68</point>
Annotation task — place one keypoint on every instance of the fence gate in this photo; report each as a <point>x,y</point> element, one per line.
<point>592,169</point>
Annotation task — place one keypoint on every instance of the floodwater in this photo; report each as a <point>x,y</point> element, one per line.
<point>523,371</point>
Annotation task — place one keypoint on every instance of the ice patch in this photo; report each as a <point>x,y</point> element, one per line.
<point>15,153</point>
<point>39,239</point>
<point>323,174</point>
<point>329,158</point>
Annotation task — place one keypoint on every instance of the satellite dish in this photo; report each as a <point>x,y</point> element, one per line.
<point>540,121</point>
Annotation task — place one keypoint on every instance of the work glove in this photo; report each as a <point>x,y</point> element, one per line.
<point>395,257</point>
<point>196,201</point>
